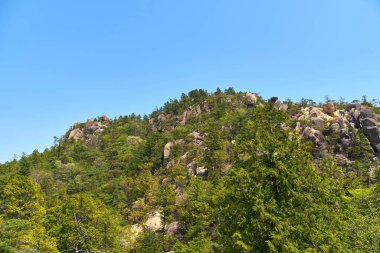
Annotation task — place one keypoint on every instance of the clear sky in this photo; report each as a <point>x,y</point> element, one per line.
<point>64,61</point>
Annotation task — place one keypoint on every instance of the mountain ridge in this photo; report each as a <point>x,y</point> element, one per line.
<point>204,173</point>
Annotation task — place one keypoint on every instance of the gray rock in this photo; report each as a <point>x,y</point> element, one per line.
<point>90,126</point>
<point>280,106</point>
<point>335,126</point>
<point>317,121</point>
<point>368,122</point>
<point>168,150</point>
<point>201,171</point>
<point>352,106</point>
<point>373,135</point>
<point>173,228</point>
<point>92,140</point>
<point>105,118</point>
<point>183,120</point>
<point>251,99</point>
<point>313,135</point>
<point>354,117</point>
<point>154,222</point>
<point>366,112</point>
<point>76,134</point>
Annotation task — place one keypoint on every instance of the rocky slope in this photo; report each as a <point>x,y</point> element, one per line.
<point>156,183</point>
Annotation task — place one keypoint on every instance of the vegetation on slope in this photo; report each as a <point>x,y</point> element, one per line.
<point>210,172</point>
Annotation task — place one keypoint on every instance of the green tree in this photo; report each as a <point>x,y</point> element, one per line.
<point>22,217</point>
<point>82,223</point>
<point>274,199</point>
<point>24,165</point>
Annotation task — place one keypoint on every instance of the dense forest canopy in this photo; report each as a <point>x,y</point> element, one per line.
<point>224,171</point>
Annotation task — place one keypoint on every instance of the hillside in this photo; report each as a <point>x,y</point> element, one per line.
<point>210,172</point>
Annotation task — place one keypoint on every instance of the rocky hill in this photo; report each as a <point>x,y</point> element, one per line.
<point>211,172</point>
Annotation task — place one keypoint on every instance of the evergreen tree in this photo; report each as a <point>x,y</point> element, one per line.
<point>274,199</point>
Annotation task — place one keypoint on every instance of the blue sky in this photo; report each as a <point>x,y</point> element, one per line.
<point>64,61</point>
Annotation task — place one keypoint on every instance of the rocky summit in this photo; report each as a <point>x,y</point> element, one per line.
<point>224,171</point>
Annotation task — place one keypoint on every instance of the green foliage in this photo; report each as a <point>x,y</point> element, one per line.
<point>263,190</point>
<point>274,199</point>
<point>22,217</point>
<point>82,223</point>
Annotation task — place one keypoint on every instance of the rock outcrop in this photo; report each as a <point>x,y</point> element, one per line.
<point>76,134</point>
<point>168,150</point>
<point>172,229</point>
<point>154,222</point>
<point>278,104</point>
<point>363,117</point>
<point>371,127</point>
<point>329,108</point>
<point>89,131</point>
<point>313,135</point>
<point>251,99</point>
<point>197,137</point>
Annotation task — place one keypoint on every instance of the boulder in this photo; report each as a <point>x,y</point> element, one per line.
<point>168,150</point>
<point>319,113</point>
<point>90,126</point>
<point>366,112</point>
<point>76,134</point>
<point>105,118</point>
<point>345,138</point>
<point>280,106</point>
<point>183,120</point>
<point>370,126</point>
<point>313,135</point>
<point>355,114</point>
<point>190,111</point>
<point>172,229</point>
<point>373,135</point>
<point>316,121</point>
<point>273,99</point>
<point>201,171</point>
<point>351,106</point>
<point>368,122</point>
<point>154,222</point>
<point>329,108</point>
<point>251,99</point>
